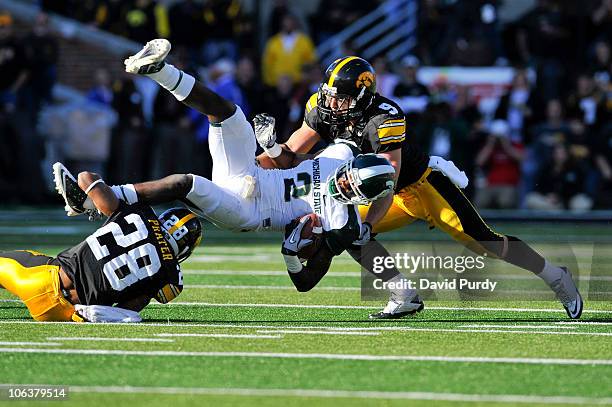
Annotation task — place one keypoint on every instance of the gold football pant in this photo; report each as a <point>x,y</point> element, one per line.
<point>439,202</point>
<point>29,276</point>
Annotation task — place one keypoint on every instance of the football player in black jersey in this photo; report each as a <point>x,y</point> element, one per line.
<point>428,188</point>
<point>112,274</point>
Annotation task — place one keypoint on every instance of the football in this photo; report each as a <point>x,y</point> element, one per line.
<point>312,230</point>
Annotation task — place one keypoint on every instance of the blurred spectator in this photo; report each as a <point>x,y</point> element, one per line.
<point>543,40</point>
<point>517,106</point>
<point>279,9</point>
<point>277,102</point>
<point>500,158</point>
<point>582,102</point>
<point>332,17</point>
<point>222,20</point>
<point>385,79</point>
<point>131,144</point>
<point>14,66</point>
<point>79,133</point>
<point>173,150</point>
<point>248,81</point>
<point>410,94</point>
<point>560,184</point>
<point>145,19</point>
<point>42,52</point>
<point>187,26</point>
<point>544,137</point>
<point>309,85</point>
<point>101,92</point>
<point>601,61</point>
<point>602,19</point>
<point>111,16</point>
<point>603,161</point>
<point>286,52</point>
<point>443,135</point>
<point>474,33</point>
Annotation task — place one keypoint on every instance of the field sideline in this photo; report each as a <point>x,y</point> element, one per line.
<point>239,334</point>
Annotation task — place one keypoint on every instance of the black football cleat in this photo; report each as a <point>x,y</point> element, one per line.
<point>67,186</point>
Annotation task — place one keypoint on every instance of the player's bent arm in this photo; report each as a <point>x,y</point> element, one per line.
<point>314,270</point>
<point>101,194</point>
<point>379,208</point>
<point>135,304</point>
<point>294,151</point>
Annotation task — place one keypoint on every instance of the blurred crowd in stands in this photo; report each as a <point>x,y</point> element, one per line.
<point>545,144</point>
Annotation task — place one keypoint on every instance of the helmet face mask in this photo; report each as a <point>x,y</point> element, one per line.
<point>183,231</point>
<point>362,180</point>
<point>337,109</point>
<point>347,91</point>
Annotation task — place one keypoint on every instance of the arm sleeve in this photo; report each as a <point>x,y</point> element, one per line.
<point>313,272</point>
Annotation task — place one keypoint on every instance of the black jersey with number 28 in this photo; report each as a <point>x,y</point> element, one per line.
<point>124,259</point>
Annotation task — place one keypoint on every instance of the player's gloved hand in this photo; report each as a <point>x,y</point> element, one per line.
<point>294,242</point>
<point>265,133</point>
<point>365,236</point>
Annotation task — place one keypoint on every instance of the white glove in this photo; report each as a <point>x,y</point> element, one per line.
<point>265,133</point>
<point>293,242</point>
<point>450,170</point>
<point>365,236</point>
<point>104,313</point>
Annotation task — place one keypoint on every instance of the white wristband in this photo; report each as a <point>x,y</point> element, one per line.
<point>293,263</point>
<point>126,193</point>
<point>93,184</point>
<point>274,151</point>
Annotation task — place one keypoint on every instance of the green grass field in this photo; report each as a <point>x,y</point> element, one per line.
<point>240,334</point>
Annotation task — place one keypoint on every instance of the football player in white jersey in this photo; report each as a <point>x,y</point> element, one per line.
<point>244,197</point>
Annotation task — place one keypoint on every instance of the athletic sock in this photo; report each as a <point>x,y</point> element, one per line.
<point>550,273</point>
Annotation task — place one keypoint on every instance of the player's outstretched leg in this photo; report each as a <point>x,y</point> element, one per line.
<point>151,61</point>
<point>469,228</point>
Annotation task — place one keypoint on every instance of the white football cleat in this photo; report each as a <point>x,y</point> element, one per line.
<point>566,291</point>
<point>150,58</point>
<point>397,308</point>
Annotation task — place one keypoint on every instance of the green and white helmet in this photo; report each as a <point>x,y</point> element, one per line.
<point>362,179</point>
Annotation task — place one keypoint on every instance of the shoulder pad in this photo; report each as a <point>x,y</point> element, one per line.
<point>312,102</point>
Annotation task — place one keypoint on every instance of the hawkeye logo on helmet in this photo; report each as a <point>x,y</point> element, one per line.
<point>365,79</point>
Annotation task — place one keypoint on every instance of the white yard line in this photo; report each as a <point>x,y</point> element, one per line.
<point>253,305</point>
<point>517,326</point>
<point>505,331</point>
<point>100,339</point>
<point>323,393</point>
<point>316,306</point>
<point>238,336</point>
<point>325,356</point>
<point>264,287</point>
<point>282,273</point>
<point>262,273</point>
<point>325,332</point>
<point>254,392</point>
<point>9,343</point>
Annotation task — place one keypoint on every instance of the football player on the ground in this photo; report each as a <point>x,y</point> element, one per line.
<point>116,271</point>
<point>242,196</point>
<point>347,107</point>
